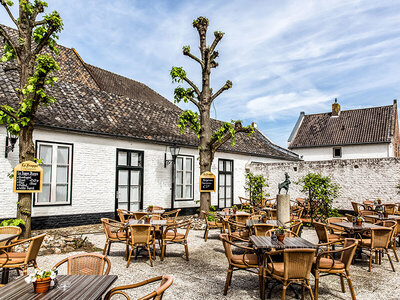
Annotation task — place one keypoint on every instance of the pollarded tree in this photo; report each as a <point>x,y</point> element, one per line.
<point>34,68</point>
<point>202,98</point>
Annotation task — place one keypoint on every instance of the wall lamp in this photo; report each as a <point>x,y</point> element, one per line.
<point>11,140</point>
<point>174,153</point>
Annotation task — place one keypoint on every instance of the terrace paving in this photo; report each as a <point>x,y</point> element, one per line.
<point>203,277</point>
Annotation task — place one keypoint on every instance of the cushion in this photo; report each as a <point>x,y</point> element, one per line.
<point>241,234</point>
<point>119,234</point>
<point>278,268</point>
<point>334,237</point>
<point>250,259</point>
<point>326,263</point>
<point>365,242</point>
<point>171,235</point>
<point>13,258</point>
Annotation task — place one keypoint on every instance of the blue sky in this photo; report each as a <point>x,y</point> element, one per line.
<point>283,57</point>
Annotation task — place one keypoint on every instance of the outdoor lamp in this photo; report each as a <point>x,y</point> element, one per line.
<point>174,153</point>
<point>11,140</point>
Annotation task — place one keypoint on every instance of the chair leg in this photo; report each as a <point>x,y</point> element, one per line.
<point>163,251</point>
<point>309,289</point>
<point>353,296</point>
<point>148,250</point>
<point>316,285</point>
<point>370,260</point>
<point>342,283</point>
<point>284,291</point>
<point>109,247</point>
<point>303,289</point>
<point>394,250</point>
<point>186,251</point>
<point>390,259</point>
<point>105,248</point>
<point>228,280</point>
<point>129,257</point>
<point>206,234</point>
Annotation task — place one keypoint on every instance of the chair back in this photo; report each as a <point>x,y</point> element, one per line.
<point>380,237</point>
<point>171,216</point>
<point>10,230</point>
<point>368,204</point>
<point>369,219</point>
<point>261,229</point>
<point>235,226</point>
<point>272,214</point>
<point>355,207</point>
<point>297,213</point>
<point>244,201</point>
<point>175,226</point>
<point>348,251</point>
<point>389,208</point>
<point>124,215</point>
<point>227,246</point>
<point>34,247</point>
<point>331,220</point>
<point>86,264</point>
<point>139,233</point>
<point>140,215</point>
<point>241,218</point>
<point>391,224</point>
<point>297,263</point>
<point>296,226</point>
<point>157,207</point>
<point>349,217</point>
<point>111,227</point>
<point>321,231</point>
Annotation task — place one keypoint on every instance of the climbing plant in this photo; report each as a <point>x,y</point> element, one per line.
<point>255,185</point>
<point>32,51</point>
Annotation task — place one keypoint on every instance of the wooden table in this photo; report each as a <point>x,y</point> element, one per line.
<point>251,223</point>
<point>389,217</point>
<point>230,214</point>
<point>353,228</point>
<point>154,212</point>
<point>266,243</point>
<point>152,222</point>
<point>87,287</point>
<point>7,237</point>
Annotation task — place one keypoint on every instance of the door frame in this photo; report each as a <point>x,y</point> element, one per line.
<point>232,180</point>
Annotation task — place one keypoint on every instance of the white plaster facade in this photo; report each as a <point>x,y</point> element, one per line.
<point>94,173</point>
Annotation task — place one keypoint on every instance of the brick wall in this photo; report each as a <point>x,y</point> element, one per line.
<point>360,179</point>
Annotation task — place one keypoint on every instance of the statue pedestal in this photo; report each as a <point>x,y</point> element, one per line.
<point>283,208</point>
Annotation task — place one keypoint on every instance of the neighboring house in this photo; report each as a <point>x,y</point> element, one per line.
<point>104,144</point>
<point>349,134</point>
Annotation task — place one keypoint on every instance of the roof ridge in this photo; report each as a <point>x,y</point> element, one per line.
<point>364,108</point>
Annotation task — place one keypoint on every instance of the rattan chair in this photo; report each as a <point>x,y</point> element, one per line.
<point>272,214</point>
<point>3,259</point>
<point>158,207</point>
<point>334,228</point>
<point>326,264</point>
<point>10,230</point>
<point>359,209</point>
<point>115,233</point>
<point>368,204</point>
<point>22,260</point>
<point>157,294</point>
<point>139,215</point>
<point>296,226</point>
<point>394,225</point>
<point>261,229</point>
<point>237,230</point>
<point>390,208</point>
<point>324,236</point>
<point>349,217</point>
<point>297,213</point>
<point>248,260</point>
<point>244,201</point>
<point>140,235</point>
<point>380,240</point>
<point>172,235</point>
<point>295,268</point>
<point>86,264</point>
<point>242,218</point>
<point>171,216</point>
<point>124,215</point>
<point>211,224</point>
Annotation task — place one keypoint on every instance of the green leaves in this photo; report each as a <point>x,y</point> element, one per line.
<point>191,117</point>
<point>200,21</point>
<point>255,187</point>
<point>53,23</point>
<point>177,74</point>
<point>186,49</point>
<point>9,53</point>
<point>181,93</point>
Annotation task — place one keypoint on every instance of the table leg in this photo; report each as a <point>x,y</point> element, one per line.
<point>4,276</point>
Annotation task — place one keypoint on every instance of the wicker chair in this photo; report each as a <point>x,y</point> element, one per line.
<point>237,230</point>
<point>171,216</point>
<point>140,215</point>
<point>246,261</point>
<point>324,236</point>
<point>296,226</point>
<point>10,230</point>
<point>140,235</point>
<point>22,260</point>
<point>242,218</point>
<point>390,208</point>
<point>115,233</point>
<point>157,294</point>
<point>368,204</point>
<point>124,215</point>
<point>326,264</point>
<point>171,235</point>
<point>394,225</point>
<point>349,217</point>
<point>261,229</point>
<point>359,209</point>
<point>158,207</point>
<point>244,201</point>
<point>86,264</point>
<point>211,224</point>
<point>272,214</point>
<point>297,213</point>
<point>334,228</point>
<point>295,268</point>
<point>380,240</point>
<point>369,219</point>
<point>3,259</point>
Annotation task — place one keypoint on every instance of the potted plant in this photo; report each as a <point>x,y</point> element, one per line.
<point>147,219</point>
<point>280,233</point>
<point>359,220</point>
<point>235,209</point>
<point>264,217</point>
<point>150,208</point>
<point>41,279</point>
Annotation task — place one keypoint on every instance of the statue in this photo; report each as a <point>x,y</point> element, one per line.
<point>285,184</point>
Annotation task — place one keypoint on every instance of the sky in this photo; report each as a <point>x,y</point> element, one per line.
<point>283,57</point>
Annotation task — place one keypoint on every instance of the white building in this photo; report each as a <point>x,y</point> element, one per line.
<point>104,145</point>
<point>349,134</point>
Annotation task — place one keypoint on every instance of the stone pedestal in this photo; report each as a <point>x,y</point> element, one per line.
<point>283,208</point>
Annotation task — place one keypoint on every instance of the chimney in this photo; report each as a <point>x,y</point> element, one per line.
<point>335,109</point>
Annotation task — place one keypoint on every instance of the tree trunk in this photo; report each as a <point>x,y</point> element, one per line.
<point>26,152</point>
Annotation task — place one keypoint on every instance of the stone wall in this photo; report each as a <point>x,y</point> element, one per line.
<point>360,179</point>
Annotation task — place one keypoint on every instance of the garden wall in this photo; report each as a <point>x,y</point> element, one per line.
<point>360,179</point>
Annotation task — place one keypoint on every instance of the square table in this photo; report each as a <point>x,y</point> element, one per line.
<point>88,287</point>
<point>265,242</point>
<point>251,223</point>
<point>153,212</point>
<point>352,227</point>
<point>231,213</point>
<point>152,222</point>
<point>389,217</point>
<point>7,236</point>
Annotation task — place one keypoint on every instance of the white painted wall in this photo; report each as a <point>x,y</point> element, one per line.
<point>94,171</point>
<point>348,152</point>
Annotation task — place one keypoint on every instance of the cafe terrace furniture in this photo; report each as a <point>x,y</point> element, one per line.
<point>359,209</point>
<point>88,287</point>
<point>266,243</point>
<point>349,217</point>
<point>390,208</point>
<point>171,216</point>
<point>272,214</point>
<point>391,224</point>
<point>324,236</point>
<point>140,235</point>
<point>242,218</point>
<point>286,233</point>
<point>124,215</point>
<point>139,215</point>
<point>86,264</point>
<point>172,235</point>
<point>247,261</point>
<point>211,224</point>
<point>326,264</point>
<point>244,201</point>
<point>21,260</point>
<point>4,261</point>
<point>261,229</point>
<point>295,226</point>
<point>237,230</point>
<point>250,223</point>
<point>369,204</point>
<point>377,217</point>
<point>9,234</point>
<point>333,228</point>
<point>115,233</point>
<point>157,294</point>
<point>295,268</point>
<point>297,213</point>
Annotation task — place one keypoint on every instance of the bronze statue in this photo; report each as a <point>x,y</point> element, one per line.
<point>285,184</point>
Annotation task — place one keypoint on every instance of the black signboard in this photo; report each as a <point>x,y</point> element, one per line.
<point>207,184</point>
<point>27,181</point>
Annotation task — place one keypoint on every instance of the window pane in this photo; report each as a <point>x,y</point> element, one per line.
<point>135,193</point>
<point>188,191</point>
<point>179,163</point>
<point>135,177</point>
<point>122,158</point>
<point>44,196</point>
<point>228,192</point>
<point>61,193</point>
<point>46,174</point>
<point>179,191</point>
<point>228,166</point>
<point>228,179</point>
<point>134,206</point>
<point>46,154</point>
<point>189,164</point>
<point>123,177</point>
<point>222,192</point>
<point>62,174</point>
<point>221,165</point>
<point>135,159</point>
<point>123,205</point>
<point>221,179</point>
<point>179,177</point>
<point>188,178</point>
<point>123,194</point>
<point>62,155</point>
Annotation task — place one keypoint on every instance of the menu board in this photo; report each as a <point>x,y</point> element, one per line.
<point>28,178</point>
<point>207,182</point>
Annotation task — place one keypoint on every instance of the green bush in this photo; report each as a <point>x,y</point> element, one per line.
<point>255,185</point>
<point>13,222</point>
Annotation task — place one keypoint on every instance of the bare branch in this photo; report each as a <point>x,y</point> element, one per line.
<point>4,33</point>
<point>187,53</point>
<point>44,41</point>
<point>9,12</point>
<point>195,88</point>
<point>218,36</point>
<point>227,86</point>
<point>38,23</point>
<point>38,9</point>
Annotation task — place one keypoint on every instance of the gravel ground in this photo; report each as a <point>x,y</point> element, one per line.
<point>203,277</point>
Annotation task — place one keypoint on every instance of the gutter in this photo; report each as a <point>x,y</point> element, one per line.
<point>296,127</point>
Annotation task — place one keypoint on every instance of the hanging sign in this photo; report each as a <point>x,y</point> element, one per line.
<point>207,182</point>
<point>28,178</point>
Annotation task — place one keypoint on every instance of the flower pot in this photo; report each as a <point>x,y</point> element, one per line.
<point>234,210</point>
<point>386,214</point>
<point>264,219</point>
<point>359,222</point>
<point>41,285</point>
<point>150,209</point>
<point>280,237</point>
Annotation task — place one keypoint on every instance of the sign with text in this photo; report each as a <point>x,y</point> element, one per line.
<point>28,178</point>
<point>207,182</point>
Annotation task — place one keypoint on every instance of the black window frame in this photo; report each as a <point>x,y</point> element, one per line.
<point>232,182</point>
<point>193,171</point>
<point>334,154</point>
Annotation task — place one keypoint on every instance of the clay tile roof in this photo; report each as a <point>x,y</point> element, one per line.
<point>351,127</point>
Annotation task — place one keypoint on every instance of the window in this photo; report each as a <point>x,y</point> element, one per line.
<point>225,183</point>
<point>57,171</point>
<point>184,178</point>
<point>337,152</point>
